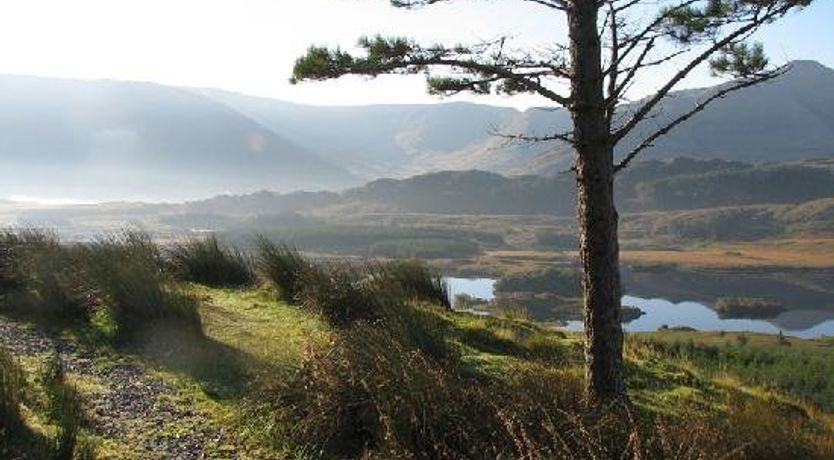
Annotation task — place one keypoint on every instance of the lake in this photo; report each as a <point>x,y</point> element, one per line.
<point>698,315</point>
<point>482,288</point>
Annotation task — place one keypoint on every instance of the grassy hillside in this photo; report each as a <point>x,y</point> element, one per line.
<point>365,361</point>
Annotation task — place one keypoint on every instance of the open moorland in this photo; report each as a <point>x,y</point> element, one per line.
<point>283,357</point>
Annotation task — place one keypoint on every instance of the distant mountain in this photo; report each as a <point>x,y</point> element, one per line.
<point>106,139</point>
<point>789,118</point>
<point>389,140</point>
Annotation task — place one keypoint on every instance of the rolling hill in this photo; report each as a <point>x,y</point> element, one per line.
<point>111,140</point>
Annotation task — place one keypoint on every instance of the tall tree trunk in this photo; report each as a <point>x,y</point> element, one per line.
<point>599,248</point>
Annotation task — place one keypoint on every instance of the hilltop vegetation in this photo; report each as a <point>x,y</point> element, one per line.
<point>358,360</point>
<point>681,183</point>
<point>672,203</point>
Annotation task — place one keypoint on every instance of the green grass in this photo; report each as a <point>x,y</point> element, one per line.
<point>42,415</point>
<point>12,385</point>
<point>207,261</point>
<point>288,355</point>
<point>800,368</point>
<point>253,321</point>
<point>367,363</point>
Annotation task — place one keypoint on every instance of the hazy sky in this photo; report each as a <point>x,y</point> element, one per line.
<point>249,46</point>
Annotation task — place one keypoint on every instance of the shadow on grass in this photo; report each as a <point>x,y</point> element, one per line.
<point>23,442</point>
<point>221,371</point>
<point>518,341</point>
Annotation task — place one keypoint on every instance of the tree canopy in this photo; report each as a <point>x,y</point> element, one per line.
<point>715,33</point>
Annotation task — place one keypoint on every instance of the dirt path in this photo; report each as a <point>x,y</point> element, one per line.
<point>136,415</point>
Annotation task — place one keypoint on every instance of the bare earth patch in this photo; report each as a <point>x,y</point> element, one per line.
<point>134,414</point>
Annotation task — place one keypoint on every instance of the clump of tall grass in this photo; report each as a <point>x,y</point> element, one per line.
<point>342,292</point>
<point>119,276</point>
<point>65,411</point>
<point>207,261</point>
<point>411,280</point>
<point>339,293</point>
<point>126,271</point>
<point>283,266</point>
<point>371,393</point>
<point>12,385</point>
<point>17,247</point>
<point>40,275</point>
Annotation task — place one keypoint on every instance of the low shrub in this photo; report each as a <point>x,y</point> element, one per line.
<point>282,266</point>
<point>207,261</point>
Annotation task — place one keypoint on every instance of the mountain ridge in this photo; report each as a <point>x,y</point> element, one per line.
<point>114,140</point>
<point>139,136</point>
<point>784,119</point>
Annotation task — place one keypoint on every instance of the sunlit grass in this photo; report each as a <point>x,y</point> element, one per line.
<point>254,322</point>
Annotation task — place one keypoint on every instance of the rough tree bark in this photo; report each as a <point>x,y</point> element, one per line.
<point>599,248</point>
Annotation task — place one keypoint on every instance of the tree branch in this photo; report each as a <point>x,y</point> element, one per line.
<point>648,141</point>
<point>613,69</point>
<point>561,5</point>
<point>641,113</point>
<point>631,42</point>
<point>401,56</point>
<point>564,137</point>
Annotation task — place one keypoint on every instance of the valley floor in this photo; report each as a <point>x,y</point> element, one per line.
<point>798,253</point>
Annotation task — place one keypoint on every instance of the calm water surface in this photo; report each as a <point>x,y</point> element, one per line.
<point>660,312</point>
<point>482,288</point>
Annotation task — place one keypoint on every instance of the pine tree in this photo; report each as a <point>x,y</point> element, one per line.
<point>611,44</point>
